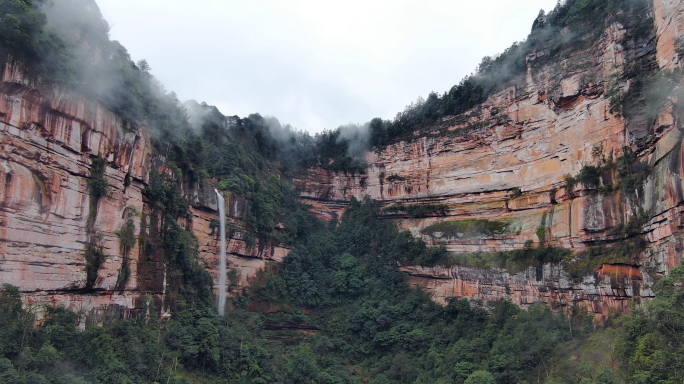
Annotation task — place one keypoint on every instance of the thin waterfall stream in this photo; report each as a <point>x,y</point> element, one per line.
<point>222,269</point>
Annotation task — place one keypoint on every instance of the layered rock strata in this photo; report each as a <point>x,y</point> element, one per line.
<point>48,138</point>
<point>526,137</point>
<point>500,171</point>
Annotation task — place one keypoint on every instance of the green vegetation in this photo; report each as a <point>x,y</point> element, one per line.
<point>651,339</point>
<point>589,176</point>
<point>94,256</point>
<point>334,152</point>
<point>190,283</point>
<point>468,229</point>
<point>541,234</point>
<point>630,175</point>
<point>340,284</point>
<point>371,320</point>
<point>25,38</point>
<point>98,187</point>
<point>371,324</point>
<point>631,172</point>
<point>393,178</point>
<point>512,261</point>
<point>571,26</point>
<point>127,239</point>
<point>480,377</point>
<point>624,252</point>
<point>625,249</point>
<point>416,211</point>
<point>516,192</point>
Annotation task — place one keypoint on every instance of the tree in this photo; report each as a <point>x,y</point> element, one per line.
<point>480,377</point>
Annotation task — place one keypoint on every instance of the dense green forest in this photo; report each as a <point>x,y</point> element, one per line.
<point>337,309</point>
<point>346,315</point>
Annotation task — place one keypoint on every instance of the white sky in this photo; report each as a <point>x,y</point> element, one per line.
<point>316,64</point>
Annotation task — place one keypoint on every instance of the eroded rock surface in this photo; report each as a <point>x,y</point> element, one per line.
<point>525,137</point>
<point>530,138</point>
<point>48,139</point>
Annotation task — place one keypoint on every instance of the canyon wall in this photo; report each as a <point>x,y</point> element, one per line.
<point>48,139</point>
<point>498,172</point>
<point>498,168</point>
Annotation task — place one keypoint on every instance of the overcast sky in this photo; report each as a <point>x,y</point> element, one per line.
<point>316,64</point>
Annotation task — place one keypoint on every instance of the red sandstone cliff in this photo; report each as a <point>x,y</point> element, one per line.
<point>47,138</point>
<point>529,139</point>
<point>526,138</point>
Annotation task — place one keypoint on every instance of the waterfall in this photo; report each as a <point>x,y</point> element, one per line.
<point>222,269</point>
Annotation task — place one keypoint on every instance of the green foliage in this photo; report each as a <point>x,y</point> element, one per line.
<point>589,358</point>
<point>98,186</point>
<point>468,229</point>
<point>179,245</point>
<point>26,39</point>
<point>631,172</point>
<point>541,234</point>
<point>126,236</point>
<point>370,321</point>
<point>94,257</point>
<point>127,239</point>
<point>248,160</point>
<point>213,225</point>
<point>512,261</point>
<point>516,192</point>
<point>572,25</point>
<point>14,321</point>
<point>569,184</point>
<point>393,178</point>
<point>416,211</point>
<point>333,152</point>
<point>480,377</point>
<point>372,326</point>
<point>625,251</point>
<point>589,176</point>
<point>369,317</point>
<point>651,345</point>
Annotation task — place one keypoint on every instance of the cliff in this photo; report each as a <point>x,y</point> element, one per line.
<point>49,138</point>
<point>498,175</point>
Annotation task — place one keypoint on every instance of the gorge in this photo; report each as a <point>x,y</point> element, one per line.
<point>520,138</point>
<point>559,184</point>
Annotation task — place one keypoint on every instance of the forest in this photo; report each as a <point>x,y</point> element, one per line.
<point>345,315</point>
<point>340,311</point>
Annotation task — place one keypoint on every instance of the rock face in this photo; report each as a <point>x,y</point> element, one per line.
<point>47,138</point>
<point>47,141</point>
<point>528,139</point>
<point>524,138</point>
<point>243,260</point>
<point>612,286</point>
